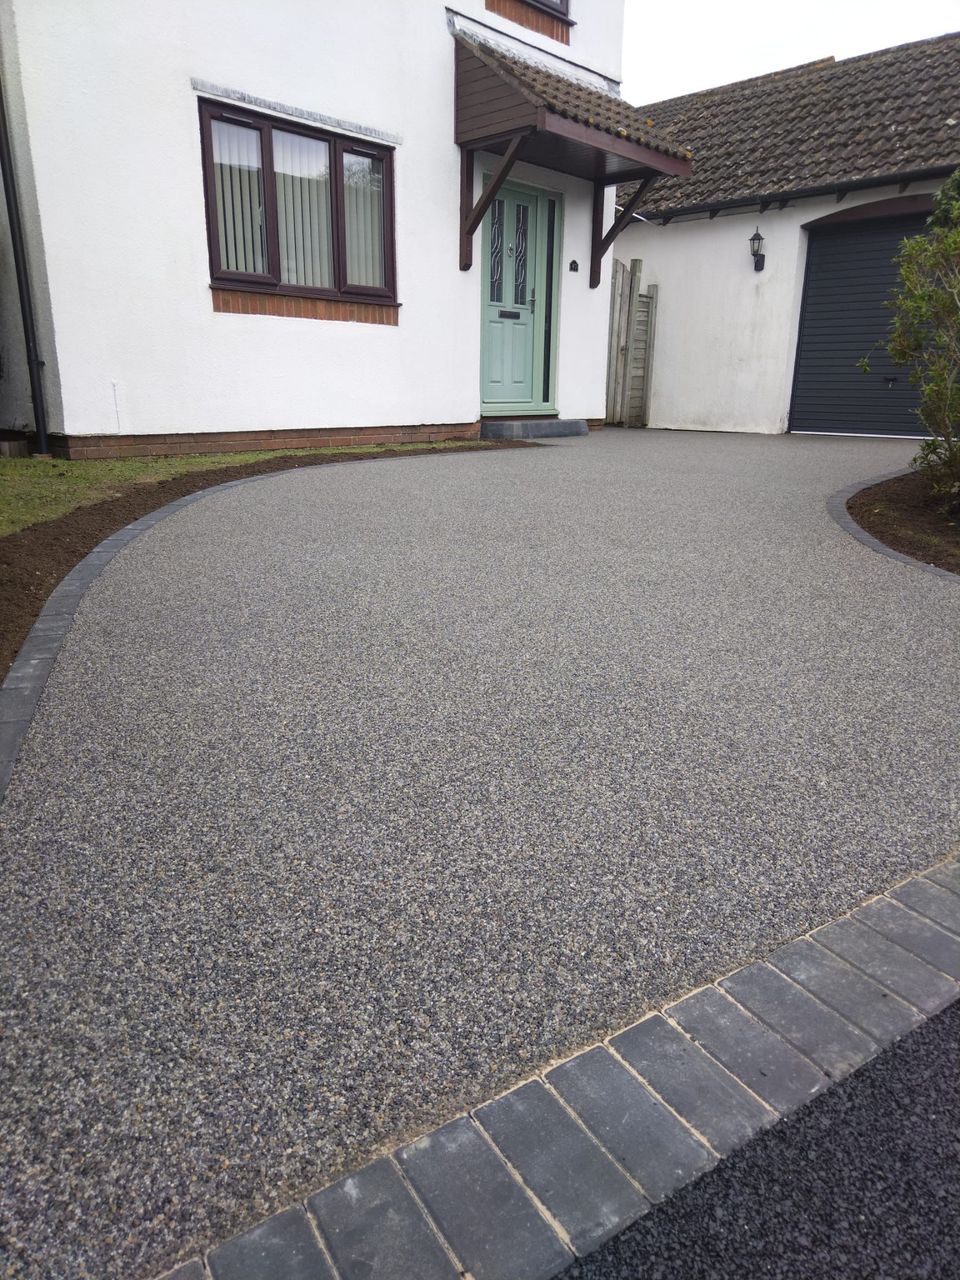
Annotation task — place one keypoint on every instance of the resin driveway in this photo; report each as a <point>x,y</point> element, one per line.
<point>358,792</point>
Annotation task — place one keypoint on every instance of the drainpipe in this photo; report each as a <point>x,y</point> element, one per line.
<point>34,363</point>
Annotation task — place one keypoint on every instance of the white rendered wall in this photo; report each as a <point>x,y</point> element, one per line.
<point>114,148</point>
<point>726,335</point>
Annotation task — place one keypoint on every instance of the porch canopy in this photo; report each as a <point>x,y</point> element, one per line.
<point>523,111</point>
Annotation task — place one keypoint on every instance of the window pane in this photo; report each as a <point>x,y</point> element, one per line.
<point>363,206</point>
<point>520,262</point>
<point>238,177</point>
<point>302,167</point>
<point>496,252</point>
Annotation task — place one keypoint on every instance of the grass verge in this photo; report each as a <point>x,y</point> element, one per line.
<point>33,490</point>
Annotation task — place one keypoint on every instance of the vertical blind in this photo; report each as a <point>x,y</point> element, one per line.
<point>302,168</point>
<point>297,208</point>
<point>363,209</point>
<point>238,175</point>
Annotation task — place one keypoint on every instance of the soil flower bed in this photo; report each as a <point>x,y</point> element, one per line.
<point>905,515</point>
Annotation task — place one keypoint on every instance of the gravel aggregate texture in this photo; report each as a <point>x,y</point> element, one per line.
<point>357,793</point>
<point>863,1182</point>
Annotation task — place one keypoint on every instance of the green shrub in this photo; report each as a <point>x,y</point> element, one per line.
<point>926,336</point>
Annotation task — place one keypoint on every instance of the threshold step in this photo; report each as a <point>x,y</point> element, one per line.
<point>531,428</point>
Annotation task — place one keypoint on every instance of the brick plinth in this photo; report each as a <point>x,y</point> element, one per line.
<point>67,446</point>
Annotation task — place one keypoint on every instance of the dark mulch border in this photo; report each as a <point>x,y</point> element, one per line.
<point>903,514</point>
<point>34,560</point>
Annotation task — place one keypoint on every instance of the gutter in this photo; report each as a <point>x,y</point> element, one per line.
<point>839,189</point>
<point>34,362</point>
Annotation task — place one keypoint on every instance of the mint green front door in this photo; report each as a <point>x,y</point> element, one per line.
<point>520,235</point>
<point>508,345</point>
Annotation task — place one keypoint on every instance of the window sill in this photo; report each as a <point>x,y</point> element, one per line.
<point>248,302</point>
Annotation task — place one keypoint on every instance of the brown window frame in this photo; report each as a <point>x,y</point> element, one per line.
<point>269,281</point>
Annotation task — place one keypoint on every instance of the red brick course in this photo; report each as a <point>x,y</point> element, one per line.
<point>67,446</point>
<point>241,302</point>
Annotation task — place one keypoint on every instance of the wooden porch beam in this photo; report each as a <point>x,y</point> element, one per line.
<point>601,243</point>
<point>471,215</point>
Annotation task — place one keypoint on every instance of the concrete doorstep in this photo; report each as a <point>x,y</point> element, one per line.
<point>549,1171</point>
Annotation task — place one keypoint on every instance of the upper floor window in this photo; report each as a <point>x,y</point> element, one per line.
<point>293,209</point>
<point>547,17</point>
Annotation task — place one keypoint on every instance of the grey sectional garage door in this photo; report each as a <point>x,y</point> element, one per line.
<point>850,274</point>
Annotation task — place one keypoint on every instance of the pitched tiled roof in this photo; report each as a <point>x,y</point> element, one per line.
<point>879,116</point>
<point>574,99</point>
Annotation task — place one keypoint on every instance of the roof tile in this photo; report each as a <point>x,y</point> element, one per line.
<point>574,99</point>
<point>878,116</point>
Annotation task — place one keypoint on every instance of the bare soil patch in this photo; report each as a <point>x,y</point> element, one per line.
<point>904,514</point>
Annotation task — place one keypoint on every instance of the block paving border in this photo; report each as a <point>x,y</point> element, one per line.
<point>518,1187</point>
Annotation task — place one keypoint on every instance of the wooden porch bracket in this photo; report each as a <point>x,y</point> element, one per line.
<point>601,242</point>
<point>471,215</point>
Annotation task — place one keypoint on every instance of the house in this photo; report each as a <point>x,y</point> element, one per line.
<point>832,164</point>
<point>237,224</point>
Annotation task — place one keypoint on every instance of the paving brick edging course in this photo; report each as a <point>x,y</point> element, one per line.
<point>521,1185</point>
<point>837,507</point>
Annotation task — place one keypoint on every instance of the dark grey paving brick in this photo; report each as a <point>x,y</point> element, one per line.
<point>898,970</point>
<point>932,900</point>
<point>492,1225</point>
<point>192,1270</point>
<point>28,670</point>
<point>285,1247</point>
<point>693,1084</point>
<point>763,1061</point>
<point>818,1032</point>
<point>11,736</point>
<point>375,1229</point>
<point>948,875</point>
<point>54,619</point>
<point>925,940</point>
<point>17,703</point>
<point>570,1174</point>
<point>636,1128</point>
<point>66,597</point>
<point>838,984</point>
<point>41,645</point>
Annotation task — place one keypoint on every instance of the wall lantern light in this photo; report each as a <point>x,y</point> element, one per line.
<point>756,244</point>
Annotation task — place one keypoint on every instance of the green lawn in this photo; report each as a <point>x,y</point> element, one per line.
<point>36,489</point>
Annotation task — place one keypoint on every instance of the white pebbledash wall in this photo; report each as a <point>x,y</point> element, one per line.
<point>726,335</point>
<point>108,153</point>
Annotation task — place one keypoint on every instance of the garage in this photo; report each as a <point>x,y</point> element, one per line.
<point>844,316</point>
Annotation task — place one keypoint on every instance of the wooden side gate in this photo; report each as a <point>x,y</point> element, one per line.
<point>633,316</point>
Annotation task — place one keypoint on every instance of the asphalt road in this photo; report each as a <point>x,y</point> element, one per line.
<point>862,1183</point>
<point>359,792</point>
